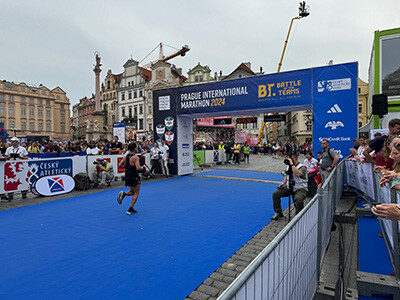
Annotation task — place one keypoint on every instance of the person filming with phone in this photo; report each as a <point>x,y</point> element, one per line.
<point>294,184</point>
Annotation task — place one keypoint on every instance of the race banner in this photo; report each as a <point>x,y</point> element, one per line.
<point>335,107</point>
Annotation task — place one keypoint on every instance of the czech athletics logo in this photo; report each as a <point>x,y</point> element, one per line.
<point>56,184</point>
<point>334,124</point>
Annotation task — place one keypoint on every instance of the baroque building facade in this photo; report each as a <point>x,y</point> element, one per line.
<point>31,111</point>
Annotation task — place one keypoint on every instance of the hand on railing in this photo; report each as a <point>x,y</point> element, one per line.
<point>387,211</point>
<point>387,176</point>
<point>378,169</point>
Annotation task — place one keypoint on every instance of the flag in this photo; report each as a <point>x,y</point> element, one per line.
<point>3,132</point>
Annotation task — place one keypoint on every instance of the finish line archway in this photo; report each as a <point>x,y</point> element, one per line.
<point>329,91</point>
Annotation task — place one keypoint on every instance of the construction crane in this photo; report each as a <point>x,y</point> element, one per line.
<point>161,57</point>
<point>304,11</point>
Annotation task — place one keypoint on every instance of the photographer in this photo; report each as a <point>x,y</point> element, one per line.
<point>296,176</point>
<point>104,171</point>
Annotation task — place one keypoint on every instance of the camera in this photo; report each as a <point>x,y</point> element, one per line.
<point>98,161</point>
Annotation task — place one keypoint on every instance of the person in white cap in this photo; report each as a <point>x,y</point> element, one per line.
<point>15,149</point>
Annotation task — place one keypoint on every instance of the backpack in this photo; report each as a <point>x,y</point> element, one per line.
<point>82,182</point>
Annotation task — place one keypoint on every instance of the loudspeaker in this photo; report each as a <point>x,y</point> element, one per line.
<point>380,105</point>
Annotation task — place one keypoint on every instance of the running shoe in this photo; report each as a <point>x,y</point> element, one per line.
<point>131,211</point>
<point>121,196</point>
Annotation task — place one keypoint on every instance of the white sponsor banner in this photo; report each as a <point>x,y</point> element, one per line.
<point>53,185</point>
<point>334,85</point>
<point>214,156</point>
<point>164,103</point>
<point>114,160</point>
<point>185,145</point>
<point>360,176</point>
<point>19,175</point>
<point>120,133</point>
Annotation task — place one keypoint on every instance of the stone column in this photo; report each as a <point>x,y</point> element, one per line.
<point>97,71</point>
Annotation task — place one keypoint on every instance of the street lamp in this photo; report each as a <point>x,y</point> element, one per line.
<point>304,11</point>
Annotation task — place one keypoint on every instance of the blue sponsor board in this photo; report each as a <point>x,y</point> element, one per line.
<point>335,103</point>
<point>272,92</point>
<point>49,167</point>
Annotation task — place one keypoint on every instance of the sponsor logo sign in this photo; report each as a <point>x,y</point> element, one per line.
<point>216,155</point>
<point>169,137</point>
<point>54,185</point>
<point>23,173</point>
<point>334,109</point>
<point>169,123</point>
<point>185,146</point>
<point>334,124</point>
<point>160,129</point>
<point>334,85</point>
<point>276,118</point>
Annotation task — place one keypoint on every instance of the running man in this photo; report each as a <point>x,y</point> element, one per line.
<point>132,180</point>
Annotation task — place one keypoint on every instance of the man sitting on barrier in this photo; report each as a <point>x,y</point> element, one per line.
<point>296,176</point>
<point>104,171</point>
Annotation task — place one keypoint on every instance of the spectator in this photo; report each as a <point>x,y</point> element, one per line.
<point>92,149</point>
<point>45,148</point>
<point>34,148</point>
<point>383,160</point>
<point>393,176</point>
<point>236,153</point>
<point>387,211</point>
<point>312,167</point>
<point>164,153</point>
<point>377,144</point>
<point>155,156</point>
<point>228,152</point>
<point>329,159</point>
<point>55,148</point>
<point>116,146</point>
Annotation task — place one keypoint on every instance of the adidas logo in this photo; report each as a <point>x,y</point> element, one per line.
<point>334,109</point>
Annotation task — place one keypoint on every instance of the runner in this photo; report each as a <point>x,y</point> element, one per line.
<point>132,179</point>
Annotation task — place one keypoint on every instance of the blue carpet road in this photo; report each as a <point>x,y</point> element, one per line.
<point>86,247</point>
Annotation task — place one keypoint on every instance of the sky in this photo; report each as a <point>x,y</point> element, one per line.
<point>53,42</point>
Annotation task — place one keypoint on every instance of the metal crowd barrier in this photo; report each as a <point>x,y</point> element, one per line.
<point>289,267</point>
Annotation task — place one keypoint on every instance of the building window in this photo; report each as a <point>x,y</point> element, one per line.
<point>149,111</point>
<point>31,112</point>
<point>129,83</point>
<point>22,89</point>
<point>48,127</point>
<point>309,126</point>
<point>62,116</point>
<point>44,93</point>
<point>23,111</point>
<point>135,109</point>
<point>140,93</point>
<point>130,111</point>
<point>113,118</point>
<point>130,95</point>
<point>31,126</point>
<point>149,95</point>
<point>40,113</point>
<point>2,97</point>
<point>2,110</point>
<point>123,96</point>
<point>11,124</point>
<point>62,106</point>
<point>23,125</point>
<point>47,102</point>
<point>40,126</point>
<point>123,112</point>
<point>23,100</point>
<point>360,108</point>
<point>135,94</point>
<point>141,109</point>
<point>108,84</point>
<point>11,110</point>
<point>48,114</point>
<point>31,101</point>
<point>62,128</point>
<point>40,101</point>
<point>11,98</point>
<point>140,123</point>
<point>58,97</point>
<point>359,90</point>
<point>359,124</point>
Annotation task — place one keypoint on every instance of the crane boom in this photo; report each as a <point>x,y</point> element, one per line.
<point>181,52</point>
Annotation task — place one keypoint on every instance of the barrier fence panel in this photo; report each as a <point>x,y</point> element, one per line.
<point>289,267</point>
<point>361,177</point>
